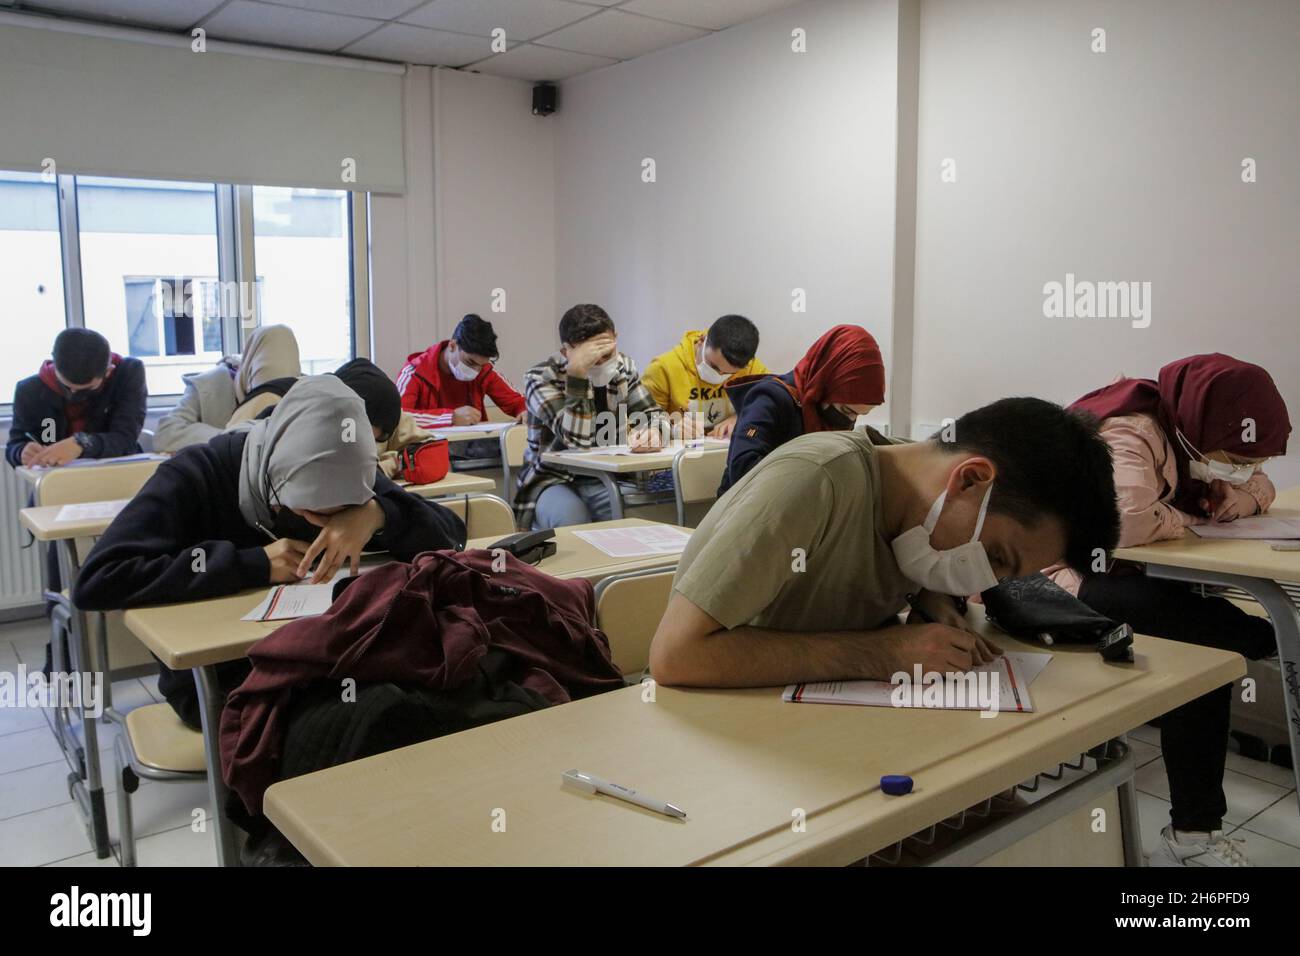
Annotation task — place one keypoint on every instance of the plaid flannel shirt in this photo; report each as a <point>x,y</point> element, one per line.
<point>562,416</point>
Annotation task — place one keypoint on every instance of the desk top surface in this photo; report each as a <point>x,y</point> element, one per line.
<point>455,483</point>
<point>624,464</point>
<point>44,524</point>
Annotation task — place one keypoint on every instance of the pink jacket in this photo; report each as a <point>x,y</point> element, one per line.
<point>1146,476</point>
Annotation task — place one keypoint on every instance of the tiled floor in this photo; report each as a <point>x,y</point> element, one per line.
<point>39,824</point>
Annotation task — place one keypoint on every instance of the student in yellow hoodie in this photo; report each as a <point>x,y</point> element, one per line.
<point>692,377</point>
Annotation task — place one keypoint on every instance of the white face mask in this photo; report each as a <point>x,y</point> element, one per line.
<point>959,571</point>
<point>1207,470</point>
<point>602,375</point>
<point>462,373</point>
<point>707,372</point>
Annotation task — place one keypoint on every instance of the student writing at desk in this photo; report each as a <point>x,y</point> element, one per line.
<point>256,507</point>
<point>798,572</point>
<point>1188,448</point>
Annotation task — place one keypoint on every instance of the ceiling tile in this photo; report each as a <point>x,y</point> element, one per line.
<point>285,26</point>
<point>521,21</point>
<point>367,9</point>
<point>163,14</point>
<point>528,62</point>
<point>619,35</point>
<point>408,44</point>
<point>713,15</point>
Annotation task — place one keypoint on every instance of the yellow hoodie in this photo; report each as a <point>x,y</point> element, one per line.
<point>675,384</point>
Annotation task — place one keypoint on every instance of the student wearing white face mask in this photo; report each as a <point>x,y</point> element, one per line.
<point>798,573</point>
<point>447,383</point>
<point>691,378</point>
<point>1188,449</point>
<point>574,401</point>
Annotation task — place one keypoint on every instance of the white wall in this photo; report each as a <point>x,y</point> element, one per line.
<point>1117,166</point>
<point>480,217</point>
<point>775,171</point>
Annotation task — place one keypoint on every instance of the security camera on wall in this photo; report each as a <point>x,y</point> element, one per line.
<point>544,99</point>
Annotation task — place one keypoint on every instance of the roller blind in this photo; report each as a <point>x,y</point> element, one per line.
<point>123,107</point>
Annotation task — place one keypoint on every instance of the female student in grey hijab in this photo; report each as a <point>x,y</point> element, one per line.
<point>257,507</point>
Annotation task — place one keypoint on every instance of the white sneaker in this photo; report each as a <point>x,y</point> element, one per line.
<point>1188,848</point>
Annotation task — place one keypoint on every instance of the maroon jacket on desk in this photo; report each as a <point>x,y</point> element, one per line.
<point>425,624</point>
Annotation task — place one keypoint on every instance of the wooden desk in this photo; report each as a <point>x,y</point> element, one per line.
<point>740,762</point>
<point>458,433</point>
<point>455,483</point>
<point>44,523</point>
<point>609,468</point>
<point>1255,568</point>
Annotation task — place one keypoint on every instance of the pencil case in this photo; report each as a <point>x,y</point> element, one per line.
<point>1034,607</point>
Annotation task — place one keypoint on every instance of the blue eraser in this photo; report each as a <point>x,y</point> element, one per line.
<point>896,784</point>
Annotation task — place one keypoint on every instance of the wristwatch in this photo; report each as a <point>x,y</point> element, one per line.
<point>83,440</point>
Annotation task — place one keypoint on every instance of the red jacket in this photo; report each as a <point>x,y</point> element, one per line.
<point>431,396</point>
<point>424,624</point>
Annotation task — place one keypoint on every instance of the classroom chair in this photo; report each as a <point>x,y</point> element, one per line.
<point>154,745</point>
<point>514,441</point>
<point>483,515</point>
<point>696,476</point>
<point>628,609</point>
<point>146,440</point>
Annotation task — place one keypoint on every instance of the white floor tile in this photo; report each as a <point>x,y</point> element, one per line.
<point>1246,795</point>
<point>150,682</point>
<point>1147,734</point>
<point>15,720</point>
<point>1153,816</point>
<point>1281,821</point>
<point>1279,776</point>
<point>129,694</point>
<point>38,788</point>
<point>8,656</point>
<point>29,643</point>
<point>28,748</point>
<point>178,847</point>
<point>1263,851</point>
<point>1143,752</point>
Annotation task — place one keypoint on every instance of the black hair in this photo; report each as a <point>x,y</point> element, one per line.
<point>80,355</point>
<point>736,338</point>
<point>1049,461</point>
<point>476,337</point>
<point>583,322</point>
<point>383,403</point>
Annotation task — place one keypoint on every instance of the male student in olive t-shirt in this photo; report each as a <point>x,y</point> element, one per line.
<point>798,572</point>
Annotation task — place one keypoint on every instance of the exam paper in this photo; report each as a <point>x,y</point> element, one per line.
<point>700,444</point>
<point>284,602</point>
<point>90,511</point>
<point>99,462</point>
<point>461,429</point>
<point>1015,672</point>
<point>1277,527</point>
<point>636,541</point>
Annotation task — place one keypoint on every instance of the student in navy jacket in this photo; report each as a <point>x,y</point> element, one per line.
<point>842,376</point>
<point>257,507</point>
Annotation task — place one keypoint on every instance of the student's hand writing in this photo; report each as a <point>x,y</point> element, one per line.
<point>938,647</point>
<point>60,453</point>
<point>1228,502</point>
<point>30,451</point>
<point>586,354</point>
<point>342,536</point>
<point>725,427</point>
<point>466,415</point>
<point>645,439</point>
<point>940,609</point>
<point>285,555</point>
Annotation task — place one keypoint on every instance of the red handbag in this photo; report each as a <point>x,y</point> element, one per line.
<point>425,462</point>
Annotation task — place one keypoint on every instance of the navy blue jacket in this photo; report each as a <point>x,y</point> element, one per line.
<point>767,416</point>
<point>113,420</point>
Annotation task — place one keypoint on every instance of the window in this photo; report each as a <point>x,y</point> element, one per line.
<point>147,248</point>
<point>31,275</point>
<point>302,244</point>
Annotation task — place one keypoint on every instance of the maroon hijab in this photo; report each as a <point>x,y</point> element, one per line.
<point>1207,398</point>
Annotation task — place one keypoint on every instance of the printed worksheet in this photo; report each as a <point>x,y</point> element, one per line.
<point>91,510</point>
<point>285,602</point>
<point>636,541</point>
<point>1279,527</point>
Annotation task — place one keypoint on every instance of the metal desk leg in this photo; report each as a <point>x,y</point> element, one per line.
<point>615,498</point>
<point>210,704</point>
<point>1130,828</point>
<point>1286,628</point>
<point>89,791</point>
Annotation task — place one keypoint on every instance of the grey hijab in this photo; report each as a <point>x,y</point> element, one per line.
<point>316,451</point>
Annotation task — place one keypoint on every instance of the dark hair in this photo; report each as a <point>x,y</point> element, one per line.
<point>583,322</point>
<point>383,403</point>
<point>476,337</point>
<point>736,338</point>
<point>80,355</point>
<point>1049,462</point>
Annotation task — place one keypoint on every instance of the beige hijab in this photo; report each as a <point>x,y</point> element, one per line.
<point>271,353</point>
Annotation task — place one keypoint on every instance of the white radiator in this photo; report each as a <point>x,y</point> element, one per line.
<point>20,573</point>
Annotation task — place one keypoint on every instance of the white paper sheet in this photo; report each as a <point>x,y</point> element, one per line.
<point>636,541</point>
<point>1015,672</point>
<point>90,511</point>
<point>285,602</point>
<point>461,429</point>
<point>699,444</point>
<point>1277,527</point>
<point>98,462</point>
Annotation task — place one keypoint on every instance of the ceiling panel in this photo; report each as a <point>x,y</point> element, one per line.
<point>528,62</point>
<point>408,44</point>
<point>369,9</point>
<point>521,21</point>
<point>165,14</point>
<point>285,26</point>
<point>713,14</point>
<point>620,35</point>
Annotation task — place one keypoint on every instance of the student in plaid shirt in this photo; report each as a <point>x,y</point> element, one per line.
<point>573,402</point>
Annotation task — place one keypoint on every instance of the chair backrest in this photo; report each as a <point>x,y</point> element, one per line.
<point>628,609</point>
<point>696,476</point>
<point>67,486</point>
<point>483,515</point>
<point>514,442</point>
<point>146,439</point>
